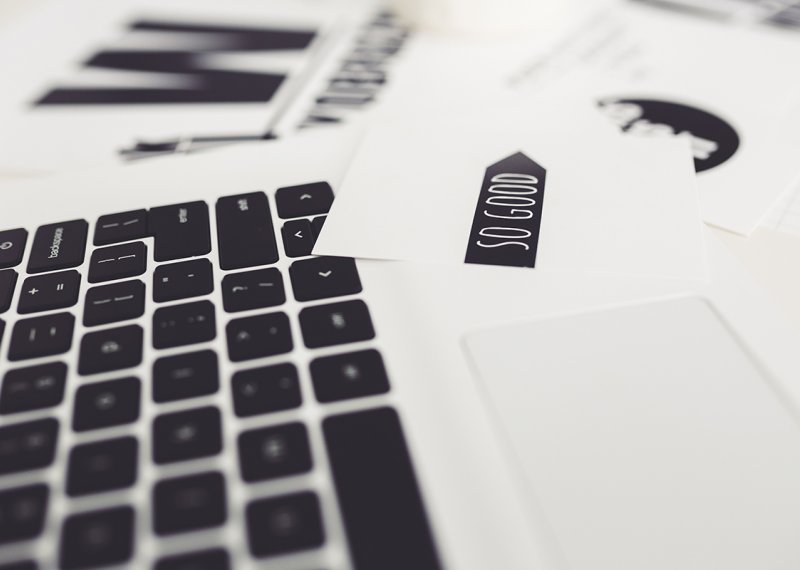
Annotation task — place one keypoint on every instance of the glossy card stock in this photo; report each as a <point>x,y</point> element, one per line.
<point>556,190</point>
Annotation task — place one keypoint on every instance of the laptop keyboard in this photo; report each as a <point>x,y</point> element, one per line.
<point>126,437</point>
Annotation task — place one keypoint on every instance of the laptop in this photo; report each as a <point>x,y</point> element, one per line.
<point>185,387</point>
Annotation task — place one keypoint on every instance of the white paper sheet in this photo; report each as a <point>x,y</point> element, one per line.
<point>418,189</point>
<point>72,51</point>
<point>740,84</point>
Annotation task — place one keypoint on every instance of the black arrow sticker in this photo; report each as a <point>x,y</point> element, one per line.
<point>505,229</point>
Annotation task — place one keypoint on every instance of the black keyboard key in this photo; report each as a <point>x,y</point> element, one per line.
<point>23,565</point>
<point>180,230</point>
<point>49,292</point>
<point>324,277</point>
<point>276,451</point>
<point>253,290</point>
<point>2,329</point>
<point>244,231</point>
<point>12,247</point>
<point>182,280</point>
<point>298,238</point>
<point>185,376</point>
<point>179,325</point>
<point>110,349</point>
<point>33,388</point>
<point>285,524</point>
<point>259,336</point>
<point>337,323</point>
<point>41,336</point>
<point>58,246</point>
<point>316,225</point>
<point>8,280</point>
<point>102,466</point>
<point>27,446</point>
<point>351,375</point>
<point>106,404</point>
<point>189,503</point>
<point>114,303</point>
<point>381,504</point>
<point>213,559</point>
<point>304,200</point>
<point>116,228</point>
<point>187,435</point>
<point>97,538</point>
<point>265,390</point>
<point>22,512</point>
<point>118,262</point>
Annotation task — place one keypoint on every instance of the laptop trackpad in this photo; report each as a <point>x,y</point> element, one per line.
<point>648,437</point>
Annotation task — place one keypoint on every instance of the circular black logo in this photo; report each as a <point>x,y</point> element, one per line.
<point>713,140</point>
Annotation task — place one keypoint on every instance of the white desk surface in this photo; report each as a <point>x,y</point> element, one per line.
<point>773,258</point>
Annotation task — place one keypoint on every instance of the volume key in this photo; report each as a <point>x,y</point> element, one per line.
<point>245,232</point>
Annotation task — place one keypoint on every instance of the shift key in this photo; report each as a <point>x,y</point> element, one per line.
<point>58,246</point>
<point>180,230</point>
<point>244,231</point>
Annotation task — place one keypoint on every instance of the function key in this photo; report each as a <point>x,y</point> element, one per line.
<point>115,228</point>
<point>22,513</point>
<point>316,225</point>
<point>102,466</point>
<point>182,280</point>
<point>185,376</point>
<point>346,376</point>
<point>97,538</point>
<point>187,435</point>
<point>381,503</point>
<point>118,262</point>
<point>113,303</point>
<point>41,336</point>
<point>12,246</point>
<point>259,336</point>
<point>110,349</point>
<point>33,388</point>
<point>49,292</point>
<point>106,404</point>
<point>304,200</point>
<point>179,325</point>
<point>298,238</point>
<point>253,290</point>
<point>58,246</point>
<point>27,446</point>
<point>272,452</point>
<point>244,231</point>
<point>189,503</point>
<point>180,230</point>
<point>265,390</point>
<point>324,277</point>
<point>8,280</point>
<point>214,559</point>
<point>285,524</point>
<point>336,323</point>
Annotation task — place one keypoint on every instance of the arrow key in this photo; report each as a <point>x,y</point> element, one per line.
<point>298,238</point>
<point>324,277</point>
<point>304,200</point>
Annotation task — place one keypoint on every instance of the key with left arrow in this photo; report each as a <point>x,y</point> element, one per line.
<point>298,238</point>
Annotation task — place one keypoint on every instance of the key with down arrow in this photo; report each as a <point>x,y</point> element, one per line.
<point>324,277</point>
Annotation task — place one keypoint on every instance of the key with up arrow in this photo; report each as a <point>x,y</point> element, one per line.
<point>304,200</point>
